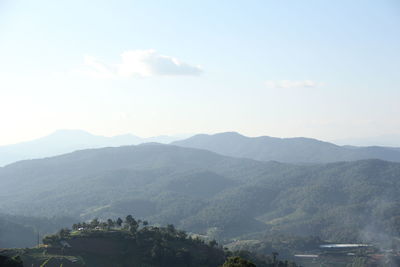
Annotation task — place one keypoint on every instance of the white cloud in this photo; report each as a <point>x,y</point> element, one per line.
<point>138,63</point>
<point>292,84</point>
<point>149,62</point>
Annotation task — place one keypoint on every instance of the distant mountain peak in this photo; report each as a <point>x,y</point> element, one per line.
<point>218,135</point>
<point>231,134</point>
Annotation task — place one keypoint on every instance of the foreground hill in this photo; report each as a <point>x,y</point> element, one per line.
<point>128,243</point>
<point>66,141</point>
<point>204,192</point>
<point>148,247</point>
<point>292,150</point>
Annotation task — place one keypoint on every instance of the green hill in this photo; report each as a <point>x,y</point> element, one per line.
<point>128,243</point>
<point>203,192</point>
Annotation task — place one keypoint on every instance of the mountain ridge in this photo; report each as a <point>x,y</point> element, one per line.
<point>171,184</point>
<point>290,150</point>
<point>65,141</point>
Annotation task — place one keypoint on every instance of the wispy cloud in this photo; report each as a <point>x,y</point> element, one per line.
<point>95,68</point>
<point>149,62</point>
<point>138,63</point>
<point>292,84</point>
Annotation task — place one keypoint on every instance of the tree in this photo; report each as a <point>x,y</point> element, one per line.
<point>181,234</point>
<point>171,229</point>
<point>129,219</point>
<point>119,222</point>
<point>64,232</point>
<point>237,262</point>
<point>110,223</point>
<point>213,243</point>
<point>131,223</point>
<point>50,239</point>
<point>94,223</point>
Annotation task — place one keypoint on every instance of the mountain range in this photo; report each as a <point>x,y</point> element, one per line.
<point>204,192</point>
<point>264,148</point>
<point>291,150</point>
<point>65,141</point>
<point>392,140</point>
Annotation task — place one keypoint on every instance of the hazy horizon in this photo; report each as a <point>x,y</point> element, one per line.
<point>385,140</point>
<point>321,70</point>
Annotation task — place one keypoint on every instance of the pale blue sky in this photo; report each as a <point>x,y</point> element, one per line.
<point>170,67</point>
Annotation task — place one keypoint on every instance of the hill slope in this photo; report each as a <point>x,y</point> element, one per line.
<point>147,247</point>
<point>208,193</point>
<point>23,231</point>
<point>129,243</point>
<point>292,150</point>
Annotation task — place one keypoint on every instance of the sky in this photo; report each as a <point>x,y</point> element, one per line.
<point>321,69</point>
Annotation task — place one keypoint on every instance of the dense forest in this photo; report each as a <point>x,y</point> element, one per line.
<point>217,196</point>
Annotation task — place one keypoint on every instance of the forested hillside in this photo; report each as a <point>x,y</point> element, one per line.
<point>24,231</point>
<point>130,242</point>
<point>292,150</point>
<point>207,193</point>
